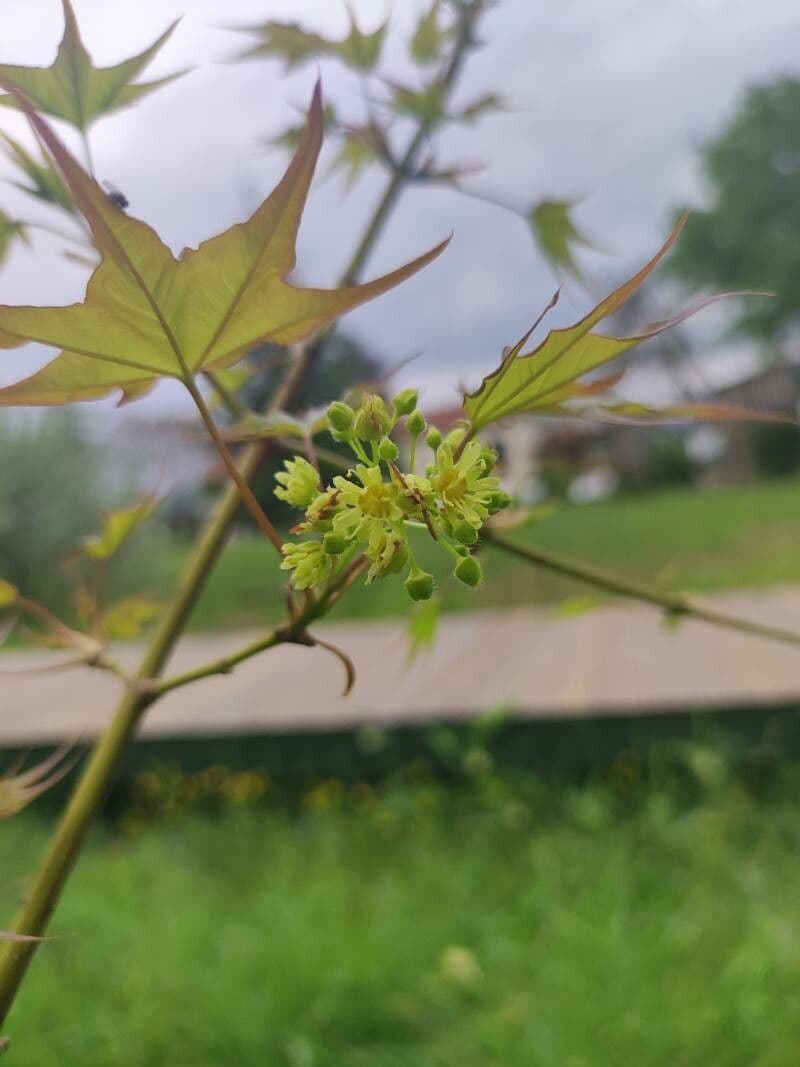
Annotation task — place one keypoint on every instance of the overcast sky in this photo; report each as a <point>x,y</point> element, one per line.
<point>609,101</point>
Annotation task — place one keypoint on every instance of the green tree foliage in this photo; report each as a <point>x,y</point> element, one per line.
<point>748,235</point>
<point>47,501</point>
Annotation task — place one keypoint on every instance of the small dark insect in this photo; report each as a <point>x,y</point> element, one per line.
<point>116,196</point>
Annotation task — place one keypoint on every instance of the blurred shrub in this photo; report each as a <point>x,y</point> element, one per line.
<point>665,464</point>
<point>776,450</point>
<point>52,493</point>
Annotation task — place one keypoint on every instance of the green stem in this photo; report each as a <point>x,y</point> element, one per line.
<point>293,633</point>
<point>672,603</point>
<point>405,168</point>
<point>235,406</point>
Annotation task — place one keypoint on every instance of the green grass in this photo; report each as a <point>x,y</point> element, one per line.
<point>681,539</point>
<point>595,934</point>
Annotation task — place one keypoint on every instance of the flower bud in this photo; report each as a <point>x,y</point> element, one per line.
<point>405,401</point>
<point>465,532</point>
<point>497,501</point>
<point>419,584</point>
<point>340,416</point>
<point>469,571</point>
<point>416,423</point>
<point>434,438</point>
<point>334,544</point>
<point>388,450</point>
<point>372,421</point>
<point>489,457</point>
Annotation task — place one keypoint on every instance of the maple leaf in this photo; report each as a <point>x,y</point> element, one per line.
<point>546,379</point>
<point>555,233</point>
<point>149,315</point>
<point>10,230</point>
<point>46,183</point>
<point>429,38</point>
<point>294,45</point>
<point>72,88</point>
<point>117,528</point>
<point>19,788</point>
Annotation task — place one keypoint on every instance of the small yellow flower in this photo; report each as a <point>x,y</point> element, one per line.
<point>374,503</point>
<point>308,561</point>
<point>386,551</point>
<point>298,485</point>
<point>462,486</point>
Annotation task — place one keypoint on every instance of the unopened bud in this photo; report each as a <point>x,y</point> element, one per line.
<point>489,457</point>
<point>419,584</point>
<point>497,501</point>
<point>434,438</point>
<point>340,416</point>
<point>334,544</point>
<point>405,401</point>
<point>388,450</point>
<point>372,421</point>
<point>415,423</point>
<point>469,571</point>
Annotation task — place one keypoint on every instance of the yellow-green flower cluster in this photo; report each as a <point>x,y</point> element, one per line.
<point>372,508</point>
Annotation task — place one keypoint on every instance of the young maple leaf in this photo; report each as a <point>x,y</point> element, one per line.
<point>73,88</point>
<point>294,45</point>
<point>149,315</point>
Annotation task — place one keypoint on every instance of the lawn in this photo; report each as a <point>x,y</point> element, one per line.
<point>682,540</point>
<point>523,927</point>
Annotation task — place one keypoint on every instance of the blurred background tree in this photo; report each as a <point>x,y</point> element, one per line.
<point>48,499</point>
<point>747,237</point>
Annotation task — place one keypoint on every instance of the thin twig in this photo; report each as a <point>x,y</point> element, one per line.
<point>246,493</point>
<point>675,605</point>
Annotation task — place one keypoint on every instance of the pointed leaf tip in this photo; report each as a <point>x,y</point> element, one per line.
<point>546,378</point>
<point>73,89</point>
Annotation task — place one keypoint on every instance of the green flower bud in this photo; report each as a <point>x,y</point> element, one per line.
<point>497,501</point>
<point>469,571</point>
<point>340,416</point>
<point>419,585</point>
<point>334,544</point>
<point>434,438</point>
<point>489,457</point>
<point>465,532</point>
<point>405,401</point>
<point>415,423</point>
<point>388,450</point>
<point>372,421</point>
<point>298,485</point>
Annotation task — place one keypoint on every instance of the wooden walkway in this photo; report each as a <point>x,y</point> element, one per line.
<point>530,663</point>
